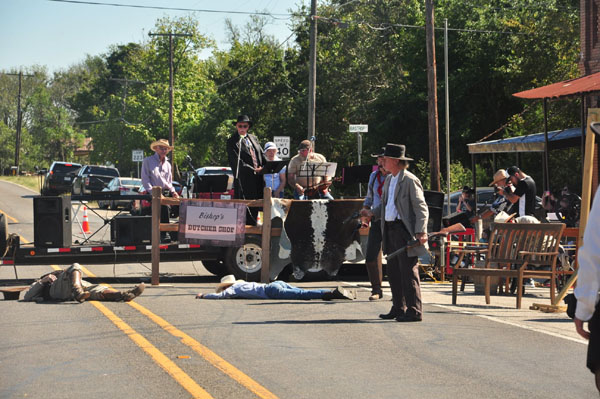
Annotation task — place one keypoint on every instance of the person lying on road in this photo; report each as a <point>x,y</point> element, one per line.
<point>67,285</point>
<point>229,287</point>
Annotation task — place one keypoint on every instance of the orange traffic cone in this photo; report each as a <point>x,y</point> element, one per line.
<point>86,225</point>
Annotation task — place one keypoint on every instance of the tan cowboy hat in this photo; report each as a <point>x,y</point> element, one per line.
<point>227,281</point>
<point>499,176</point>
<point>161,142</point>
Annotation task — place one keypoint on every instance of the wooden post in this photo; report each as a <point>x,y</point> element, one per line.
<point>265,270</point>
<point>156,199</point>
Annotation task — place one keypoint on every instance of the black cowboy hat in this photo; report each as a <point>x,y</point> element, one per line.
<point>379,154</point>
<point>396,151</point>
<point>243,118</point>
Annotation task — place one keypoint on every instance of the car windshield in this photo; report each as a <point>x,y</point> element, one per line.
<point>65,167</point>
<point>94,170</point>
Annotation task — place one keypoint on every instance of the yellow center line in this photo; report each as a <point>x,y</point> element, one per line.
<point>9,217</point>
<point>168,365</point>
<point>164,362</point>
<point>202,350</point>
<point>207,354</point>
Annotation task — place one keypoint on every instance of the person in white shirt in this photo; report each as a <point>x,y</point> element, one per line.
<point>276,181</point>
<point>588,285</point>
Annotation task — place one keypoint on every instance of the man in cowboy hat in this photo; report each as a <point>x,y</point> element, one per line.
<point>246,160</point>
<point>403,213</point>
<point>372,200</point>
<point>156,171</point>
<point>302,183</point>
<point>229,287</point>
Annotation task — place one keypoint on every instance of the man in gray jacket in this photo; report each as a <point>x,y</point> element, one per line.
<point>403,213</point>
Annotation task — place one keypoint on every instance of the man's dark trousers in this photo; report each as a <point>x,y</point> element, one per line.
<point>403,272</point>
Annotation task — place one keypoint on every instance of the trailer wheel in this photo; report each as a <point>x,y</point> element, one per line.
<point>3,234</point>
<point>245,262</point>
<point>215,267</point>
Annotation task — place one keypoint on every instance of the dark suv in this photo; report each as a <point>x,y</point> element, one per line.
<point>92,178</point>
<point>59,178</point>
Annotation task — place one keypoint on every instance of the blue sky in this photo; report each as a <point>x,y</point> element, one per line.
<point>57,34</point>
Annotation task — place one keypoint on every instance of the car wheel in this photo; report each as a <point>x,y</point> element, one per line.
<point>245,262</point>
<point>215,267</point>
<point>3,234</point>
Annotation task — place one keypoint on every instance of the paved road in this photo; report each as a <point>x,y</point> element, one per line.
<point>168,344</point>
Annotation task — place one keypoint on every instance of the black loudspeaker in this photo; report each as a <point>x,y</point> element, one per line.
<point>456,217</point>
<point>52,222</point>
<point>131,230</point>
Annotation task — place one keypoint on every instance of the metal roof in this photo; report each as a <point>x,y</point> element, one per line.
<point>584,84</point>
<point>529,143</point>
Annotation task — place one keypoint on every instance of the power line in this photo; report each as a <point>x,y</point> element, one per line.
<point>385,26</point>
<point>94,3</point>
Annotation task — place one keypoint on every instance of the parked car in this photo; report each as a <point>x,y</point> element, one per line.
<point>123,185</point>
<point>92,178</point>
<point>59,178</point>
<point>485,196</point>
<point>212,171</point>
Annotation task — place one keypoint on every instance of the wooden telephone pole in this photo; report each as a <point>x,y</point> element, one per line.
<point>19,120</point>
<point>434,143</point>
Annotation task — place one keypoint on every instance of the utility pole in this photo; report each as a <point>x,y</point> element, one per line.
<point>19,120</point>
<point>312,71</point>
<point>171,35</point>
<point>434,145</point>
<point>447,89</point>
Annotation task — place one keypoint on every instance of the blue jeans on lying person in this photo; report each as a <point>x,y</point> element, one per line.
<point>282,290</point>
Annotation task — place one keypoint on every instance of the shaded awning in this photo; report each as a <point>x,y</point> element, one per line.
<point>530,143</point>
<point>583,85</point>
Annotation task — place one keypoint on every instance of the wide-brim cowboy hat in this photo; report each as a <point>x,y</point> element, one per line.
<point>243,119</point>
<point>396,151</point>
<point>379,154</point>
<point>499,176</point>
<point>161,143</point>
<point>227,281</point>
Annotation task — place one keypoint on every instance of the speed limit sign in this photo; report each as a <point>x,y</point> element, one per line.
<point>283,146</point>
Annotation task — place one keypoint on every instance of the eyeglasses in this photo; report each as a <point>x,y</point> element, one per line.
<point>243,126</point>
<point>160,147</point>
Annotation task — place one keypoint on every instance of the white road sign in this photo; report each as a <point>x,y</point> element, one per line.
<point>137,155</point>
<point>359,128</point>
<point>283,146</point>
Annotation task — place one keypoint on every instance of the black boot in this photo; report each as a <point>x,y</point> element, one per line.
<point>391,315</point>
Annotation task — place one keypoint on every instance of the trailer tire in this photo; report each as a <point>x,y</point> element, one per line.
<point>3,234</point>
<point>215,267</point>
<point>245,262</point>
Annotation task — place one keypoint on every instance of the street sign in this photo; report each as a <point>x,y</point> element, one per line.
<point>137,155</point>
<point>359,128</point>
<point>283,146</point>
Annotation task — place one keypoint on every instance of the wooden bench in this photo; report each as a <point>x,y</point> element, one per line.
<point>511,248</point>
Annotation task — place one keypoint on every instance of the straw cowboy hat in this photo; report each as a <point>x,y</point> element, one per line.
<point>499,176</point>
<point>396,151</point>
<point>226,282</point>
<point>161,142</point>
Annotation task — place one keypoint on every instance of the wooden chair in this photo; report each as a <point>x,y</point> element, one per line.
<point>511,248</point>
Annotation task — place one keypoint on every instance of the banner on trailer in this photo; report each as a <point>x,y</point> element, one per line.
<point>220,224</point>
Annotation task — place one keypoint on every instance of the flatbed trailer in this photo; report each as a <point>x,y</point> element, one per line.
<point>245,261</point>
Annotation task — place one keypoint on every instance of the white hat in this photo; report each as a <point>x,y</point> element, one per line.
<point>227,281</point>
<point>269,145</point>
